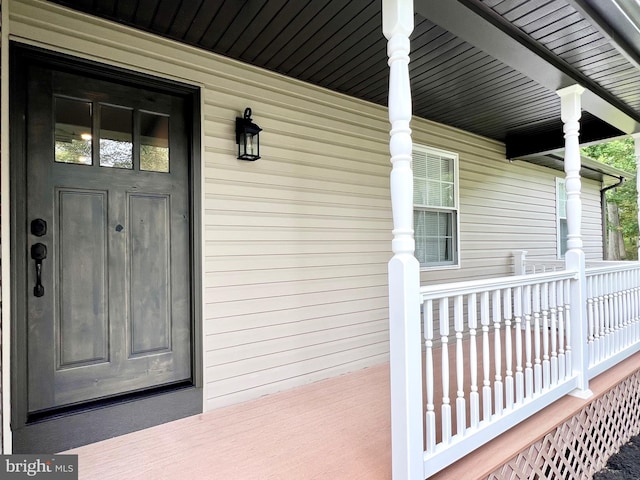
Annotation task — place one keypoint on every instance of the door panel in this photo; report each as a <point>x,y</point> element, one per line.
<point>115,316</point>
<point>82,278</point>
<point>150,273</point>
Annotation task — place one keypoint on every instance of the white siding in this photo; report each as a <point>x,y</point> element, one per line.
<point>296,244</point>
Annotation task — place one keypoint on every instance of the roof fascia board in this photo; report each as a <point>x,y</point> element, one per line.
<point>508,44</point>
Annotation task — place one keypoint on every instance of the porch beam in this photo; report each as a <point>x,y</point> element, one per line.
<point>570,108</point>
<point>404,270</point>
<point>524,144</point>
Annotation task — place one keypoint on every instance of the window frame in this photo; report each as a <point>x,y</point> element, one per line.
<point>455,210</point>
<point>559,218</point>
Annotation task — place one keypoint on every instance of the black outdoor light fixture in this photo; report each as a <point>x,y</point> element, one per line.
<point>247,137</point>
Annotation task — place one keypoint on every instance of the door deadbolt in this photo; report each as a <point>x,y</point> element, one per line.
<point>38,227</point>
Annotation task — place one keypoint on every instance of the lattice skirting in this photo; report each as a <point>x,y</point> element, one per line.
<point>583,444</point>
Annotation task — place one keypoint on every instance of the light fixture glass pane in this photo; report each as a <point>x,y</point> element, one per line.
<point>116,137</point>
<point>154,142</point>
<point>72,131</point>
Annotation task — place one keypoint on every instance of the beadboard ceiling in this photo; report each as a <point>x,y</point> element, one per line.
<point>487,66</point>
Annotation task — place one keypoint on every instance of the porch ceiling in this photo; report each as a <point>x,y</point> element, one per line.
<point>487,66</point>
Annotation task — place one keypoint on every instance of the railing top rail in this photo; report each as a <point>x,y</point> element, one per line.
<point>619,267</point>
<point>431,292</point>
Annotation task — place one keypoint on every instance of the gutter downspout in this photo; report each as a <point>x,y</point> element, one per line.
<point>603,206</point>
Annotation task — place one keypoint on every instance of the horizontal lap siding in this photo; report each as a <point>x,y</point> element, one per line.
<point>295,245</point>
<point>506,206</point>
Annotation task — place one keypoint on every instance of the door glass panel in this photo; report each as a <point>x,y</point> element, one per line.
<point>154,142</point>
<point>116,137</point>
<point>73,131</point>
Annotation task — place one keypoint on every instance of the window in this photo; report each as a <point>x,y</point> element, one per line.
<point>561,217</point>
<point>119,146</point>
<point>435,206</point>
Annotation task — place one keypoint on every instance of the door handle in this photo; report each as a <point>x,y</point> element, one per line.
<point>38,253</point>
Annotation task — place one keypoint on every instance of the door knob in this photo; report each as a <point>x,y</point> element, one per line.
<point>38,253</point>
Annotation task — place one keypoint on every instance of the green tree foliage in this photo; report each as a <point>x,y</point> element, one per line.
<point>621,154</point>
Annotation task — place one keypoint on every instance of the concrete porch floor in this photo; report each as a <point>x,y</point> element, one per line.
<point>335,429</point>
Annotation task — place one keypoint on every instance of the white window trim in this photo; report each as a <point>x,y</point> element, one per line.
<point>560,181</point>
<point>456,189</point>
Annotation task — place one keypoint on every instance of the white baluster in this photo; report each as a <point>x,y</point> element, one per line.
<point>612,314</point>
<point>546,362</point>
<point>517,310</point>
<point>628,335</point>
<point>602,320</point>
<point>498,391</point>
<point>624,309</point>
<point>608,321</point>
<point>528,349</point>
<point>486,383</point>
<point>632,307</point>
<point>537,365</point>
<point>473,359</point>
<point>508,380</point>
<point>562,360</point>
<point>553,309</point>
<point>568,330</point>
<point>635,311</point>
<point>592,330</point>
<point>446,373</point>
<point>430,419</point>
<point>617,312</point>
<point>461,404</point>
<point>636,302</point>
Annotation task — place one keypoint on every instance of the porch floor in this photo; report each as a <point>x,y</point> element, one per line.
<point>333,429</point>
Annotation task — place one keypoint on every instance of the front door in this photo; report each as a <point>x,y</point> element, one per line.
<point>107,285</point>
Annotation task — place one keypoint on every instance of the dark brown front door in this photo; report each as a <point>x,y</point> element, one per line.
<point>108,297</point>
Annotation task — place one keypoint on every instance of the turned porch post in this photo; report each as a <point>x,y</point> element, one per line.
<point>574,257</point>
<point>404,269</point>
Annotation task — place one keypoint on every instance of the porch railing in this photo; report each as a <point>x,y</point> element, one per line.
<point>511,356</point>
<point>498,350</point>
<point>613,315</point>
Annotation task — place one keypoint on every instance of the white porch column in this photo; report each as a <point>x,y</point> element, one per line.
<point>636,141</point>
<point>404,269</point>
<point>574,258</point>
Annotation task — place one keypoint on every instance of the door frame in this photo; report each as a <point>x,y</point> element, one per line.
<point>129,412</point>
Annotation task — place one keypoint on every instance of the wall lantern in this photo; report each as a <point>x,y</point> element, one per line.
<point>247,134</point>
